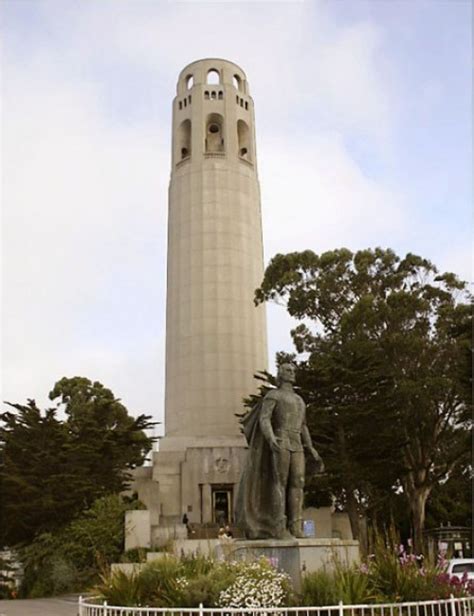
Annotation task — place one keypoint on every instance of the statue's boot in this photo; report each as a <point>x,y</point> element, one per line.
<point>296,528</point>
<point>295,511</point>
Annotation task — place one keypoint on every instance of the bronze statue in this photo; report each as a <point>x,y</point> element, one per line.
<point>270,498</point>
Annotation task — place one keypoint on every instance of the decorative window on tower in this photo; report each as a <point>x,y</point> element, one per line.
<point>237,82</point>
<point>243,137</point>
<point>184,140</point>
<point>213,77</point>
<point>214,133</point>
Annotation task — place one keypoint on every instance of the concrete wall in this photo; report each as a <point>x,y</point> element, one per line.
<point>137,529</point>
<point>148,491</point>
<point>329,524</point>
<point>342,526</point>
<point>322,520</point>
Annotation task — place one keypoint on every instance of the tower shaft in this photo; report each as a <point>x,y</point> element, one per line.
<point>215,336</point>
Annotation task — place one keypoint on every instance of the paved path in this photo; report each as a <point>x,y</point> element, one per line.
<point>59,606</point>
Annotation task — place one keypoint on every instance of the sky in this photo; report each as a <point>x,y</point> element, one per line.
<point>364,139</point>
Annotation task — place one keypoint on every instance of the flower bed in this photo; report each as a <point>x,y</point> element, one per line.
<point>387,576</point>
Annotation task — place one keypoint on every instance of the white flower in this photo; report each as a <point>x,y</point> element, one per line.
<point>257,584</point>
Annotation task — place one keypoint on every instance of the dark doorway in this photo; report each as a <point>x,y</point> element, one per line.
<point>222,505</point>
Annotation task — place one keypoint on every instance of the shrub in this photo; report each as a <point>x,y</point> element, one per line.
<point>352,585</point>
<point>187,582</point>
<point>71,559</point>
<point>327,587</point>
<point>391,575</point>
<point>135,555</point>
<point>318,588</point>
<point>121,588</point>
<point>167,582</point>
<point>396,575</point>
<point>256,584</point>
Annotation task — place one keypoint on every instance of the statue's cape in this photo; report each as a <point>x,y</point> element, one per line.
<point>257,508</point>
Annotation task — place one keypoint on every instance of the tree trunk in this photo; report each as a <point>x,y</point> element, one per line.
<point>353,511</point>
<point>417,500</point>
<point>351,503</point>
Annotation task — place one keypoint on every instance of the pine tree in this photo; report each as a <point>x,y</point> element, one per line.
<point>51,469</point>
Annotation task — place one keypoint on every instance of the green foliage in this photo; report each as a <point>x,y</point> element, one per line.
<point>72,558</point>
<point>135,555</point>
<point>122,589</point>
<point>451,501</point>
<point>33,454</point>
<point>351,586</point>
<point>318,588</point>
<point>386,374</point>
<point>51,469</point>
<point>328,587</point>
<point>159,583</point>
<point>398,576</point>
<point>391,575</point>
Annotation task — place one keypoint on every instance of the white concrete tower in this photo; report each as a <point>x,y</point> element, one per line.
<point>215,336</point>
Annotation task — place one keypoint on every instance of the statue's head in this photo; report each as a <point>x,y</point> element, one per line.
<point>286,374</point>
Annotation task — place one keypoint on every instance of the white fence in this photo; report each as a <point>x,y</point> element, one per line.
<point>445,607</point>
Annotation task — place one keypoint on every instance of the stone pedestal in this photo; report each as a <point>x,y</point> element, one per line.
<point>297,556</point>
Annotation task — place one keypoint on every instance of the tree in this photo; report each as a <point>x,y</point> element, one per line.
<point>34,495</point>
<point>104,441</point>
<point>451,501</point>
<point>51,469</point>
<point>386,343</point>
<point>346,390</point>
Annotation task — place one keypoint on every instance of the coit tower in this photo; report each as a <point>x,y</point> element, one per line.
<point>215,336</point>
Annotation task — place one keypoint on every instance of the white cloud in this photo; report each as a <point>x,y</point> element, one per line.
<point>315,197</point>
<point>460,260</point>
<point>84,224</point>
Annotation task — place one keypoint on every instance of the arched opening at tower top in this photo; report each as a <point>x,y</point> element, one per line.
<point>214,133</point>
<point>237,81</point>
<point>184,140</point>
<point>213,77</point>
<point>243,137</point>
<point>189,82</point>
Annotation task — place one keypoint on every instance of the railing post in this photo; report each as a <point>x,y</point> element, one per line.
<point>105,609</point>
<point>80,612</point>
<point>201,609</point>
<point>453,605</point>
<point>341,608</point>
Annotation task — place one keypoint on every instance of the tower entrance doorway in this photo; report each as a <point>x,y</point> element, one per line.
<point>222,504</point>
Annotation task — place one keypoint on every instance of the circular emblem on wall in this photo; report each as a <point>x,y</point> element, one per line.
<point>221,465</point>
